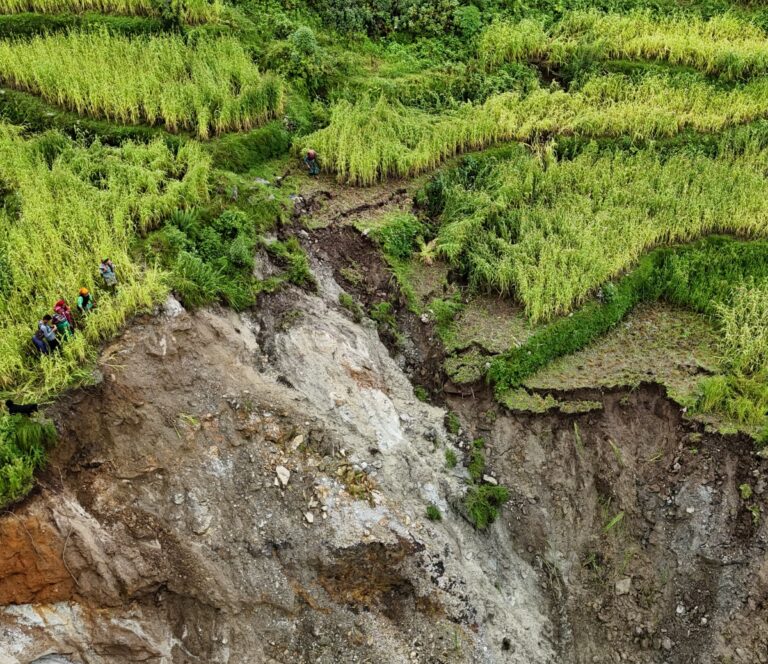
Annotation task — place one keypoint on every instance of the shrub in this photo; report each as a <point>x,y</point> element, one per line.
<point>421,393</point>
<point>399,235</point>
<point>384,315</point>
<point>482,504</point>
<point>195,282</point>
<point>476,465</point>
<point>243,151</point>
<point>292,256</point>
<point>468,20</point>
<point>452,422</point>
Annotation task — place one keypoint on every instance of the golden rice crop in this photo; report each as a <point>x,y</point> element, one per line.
<point>67,216</point>
<point>190,11</point>
<point>552,233</point>
<point>209,86</point>
<point>374,139</point>
<point>723,45</point>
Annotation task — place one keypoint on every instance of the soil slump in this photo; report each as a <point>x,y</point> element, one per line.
<point>639,521</point>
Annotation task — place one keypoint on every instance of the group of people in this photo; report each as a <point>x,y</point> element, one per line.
<point>53,330</point>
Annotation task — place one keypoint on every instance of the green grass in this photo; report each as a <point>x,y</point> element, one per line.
<point>209,85</point>
<point>373,139</point>
<point>23,446</point>
<point>483,502</point>
<point>433,513</point>
<point>190,11</point>
<point>724,45</point>
<point>550,231</point>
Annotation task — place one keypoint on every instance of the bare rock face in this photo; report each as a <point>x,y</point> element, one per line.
<point>243,490</point>
<point>253,488</point>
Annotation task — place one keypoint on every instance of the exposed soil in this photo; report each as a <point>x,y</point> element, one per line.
<point>636,515</point>
<point>414,341</point>
<point>633,516</point>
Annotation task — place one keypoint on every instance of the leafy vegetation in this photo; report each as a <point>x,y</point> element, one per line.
<point>23,446</point>
<point>210,85</point>
<point>189,11</point>
<point>482,504</point>
<point>433,512</point>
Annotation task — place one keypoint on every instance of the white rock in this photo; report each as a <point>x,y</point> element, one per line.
<point>490,479</point>
<point>172,307</point>
<point>623,586</point>
<point>309,517</point>
<point>283,474</point>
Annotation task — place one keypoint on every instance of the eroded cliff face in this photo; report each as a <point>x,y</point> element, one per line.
<point>252,488</point>
<point>167,528</point>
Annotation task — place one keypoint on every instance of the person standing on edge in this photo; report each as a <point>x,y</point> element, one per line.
<point>310,161</point>
<point>107,270</point>
<point>49,331</point>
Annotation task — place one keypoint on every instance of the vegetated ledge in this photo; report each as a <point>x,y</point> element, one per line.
<point>31,24</point>
<point>35,115</point>
<point>654,278</point>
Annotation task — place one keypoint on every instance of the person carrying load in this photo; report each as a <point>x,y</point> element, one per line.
<point>62,309</point>
<point>63,327</point>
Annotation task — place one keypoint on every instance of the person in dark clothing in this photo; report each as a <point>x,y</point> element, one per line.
<point>20,409</point>
<point>39,340</point>
<point>310,161</point>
